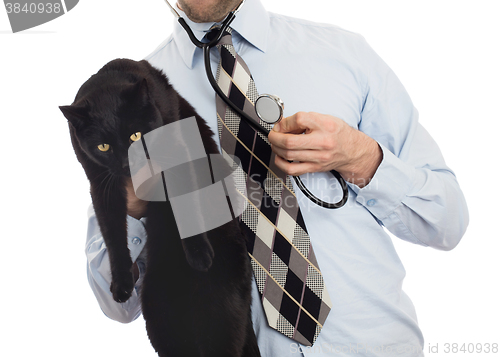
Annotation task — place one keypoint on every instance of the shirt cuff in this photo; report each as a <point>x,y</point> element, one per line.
<point>392,181</point>
<point>136,236</point>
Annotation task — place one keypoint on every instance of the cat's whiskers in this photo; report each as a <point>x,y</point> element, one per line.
<point>108,188</point>
<point>104,179</point>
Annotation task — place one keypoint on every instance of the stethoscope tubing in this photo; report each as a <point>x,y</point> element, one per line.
<point>255,125</point>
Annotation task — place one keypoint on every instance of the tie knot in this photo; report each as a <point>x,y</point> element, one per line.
<point>214,32</point>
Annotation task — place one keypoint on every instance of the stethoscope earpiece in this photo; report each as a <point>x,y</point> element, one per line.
<point>269,108</point>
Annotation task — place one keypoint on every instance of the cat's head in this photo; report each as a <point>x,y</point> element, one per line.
<point>108,115</point>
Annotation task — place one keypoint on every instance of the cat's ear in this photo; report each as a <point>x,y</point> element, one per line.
<point>138,93</point>
<point>76,115</point>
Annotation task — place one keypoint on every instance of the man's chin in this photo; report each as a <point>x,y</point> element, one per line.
<point>201,15</point>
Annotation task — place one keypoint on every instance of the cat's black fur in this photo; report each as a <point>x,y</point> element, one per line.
<point>196,291</point>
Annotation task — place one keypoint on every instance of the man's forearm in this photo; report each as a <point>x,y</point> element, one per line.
<point>99,272</point>
<point>367,156</point>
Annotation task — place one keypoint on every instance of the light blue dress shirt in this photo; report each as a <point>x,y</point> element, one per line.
<point>414,195</point>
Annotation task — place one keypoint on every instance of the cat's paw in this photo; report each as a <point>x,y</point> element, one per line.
<point>122,289</point>
<point>199,252</point>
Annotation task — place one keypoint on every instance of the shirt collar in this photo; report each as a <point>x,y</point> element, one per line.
<point>251,22</point>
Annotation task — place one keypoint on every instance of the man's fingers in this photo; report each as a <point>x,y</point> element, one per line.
<point>296,124</point>
<point>311,141</point>
<point>295,168</point>
<point>313,156</point>
<point>302,131</point>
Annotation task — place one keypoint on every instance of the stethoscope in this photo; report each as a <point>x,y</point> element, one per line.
<point>269,108</point>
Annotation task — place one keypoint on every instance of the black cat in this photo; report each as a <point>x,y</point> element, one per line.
<point>196,291</point>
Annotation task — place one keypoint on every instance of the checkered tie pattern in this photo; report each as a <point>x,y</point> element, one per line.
<point>292,289</point>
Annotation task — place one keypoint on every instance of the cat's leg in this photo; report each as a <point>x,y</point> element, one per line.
<point>224,293</point>
<point>167,289</point>
<point>199,252</point>
<point>110,206</point>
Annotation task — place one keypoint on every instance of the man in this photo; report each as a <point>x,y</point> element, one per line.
<point>355,117</point>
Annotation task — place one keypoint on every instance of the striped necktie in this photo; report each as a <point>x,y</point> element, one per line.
<point>292,290</point>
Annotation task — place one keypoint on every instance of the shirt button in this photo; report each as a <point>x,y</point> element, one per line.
<point>371,202</point>
<point>136,240</point>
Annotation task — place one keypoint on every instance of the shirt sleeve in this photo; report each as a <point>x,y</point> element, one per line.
<point>413,193</point>
<point>99,272</point>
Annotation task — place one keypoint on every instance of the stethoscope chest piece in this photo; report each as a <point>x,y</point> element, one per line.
<point>269,108</point>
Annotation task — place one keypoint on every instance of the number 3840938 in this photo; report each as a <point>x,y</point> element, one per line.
<point>33,8</point>
<point>471,348</point>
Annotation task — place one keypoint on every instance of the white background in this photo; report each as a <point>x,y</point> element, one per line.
<point>445,52</point>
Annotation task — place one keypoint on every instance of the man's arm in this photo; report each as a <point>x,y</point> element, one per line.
<point>393,165</point>
<point>98,269</point>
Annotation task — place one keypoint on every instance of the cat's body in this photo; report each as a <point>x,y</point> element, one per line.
<point>196,291</point>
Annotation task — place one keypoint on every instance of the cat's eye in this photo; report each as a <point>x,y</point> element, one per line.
<point>136,136</point>
<point>103,147</point>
